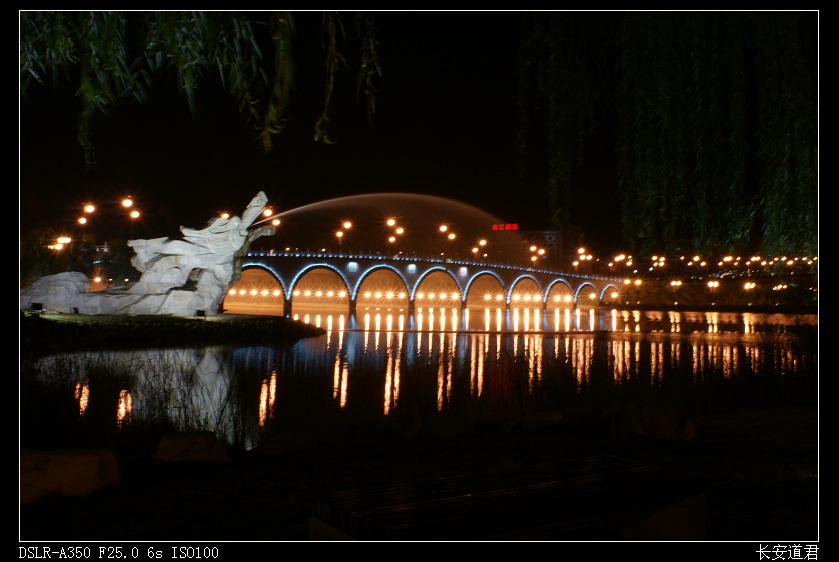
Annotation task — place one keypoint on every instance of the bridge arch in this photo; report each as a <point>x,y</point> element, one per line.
<point>605,295</point>
<point>471,283</point>
<point>562,286</point>
<point>580,292</point>
<point>520,279</point>
<point>368,273</point>
<point>425,275</point>
<point>257,287</point>
<point>315,267</point>
<point>263,269</point>
<point>288,268</point>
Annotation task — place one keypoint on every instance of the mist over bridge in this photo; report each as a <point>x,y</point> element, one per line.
<point>412,281</point>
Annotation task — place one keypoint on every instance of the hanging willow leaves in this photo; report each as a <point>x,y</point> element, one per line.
<point>95,45</point>
<point>715,120</point>
<point>282,30</point>
<point>46,47</point>
<point>572,87</point>
<point>94,50</point>
<point>370,69</point>
<point>786,142</point>
<point>333,60</point>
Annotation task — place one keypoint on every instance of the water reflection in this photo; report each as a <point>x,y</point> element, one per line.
<point>464,363</point>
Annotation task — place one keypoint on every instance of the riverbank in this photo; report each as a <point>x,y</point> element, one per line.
<point>758,467</point>
<point>808,309</point>
<point>53,333</point>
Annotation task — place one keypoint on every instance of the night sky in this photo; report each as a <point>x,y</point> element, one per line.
<point>446,124</point>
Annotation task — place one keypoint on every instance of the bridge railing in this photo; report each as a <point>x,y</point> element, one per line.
<point>430,259</point>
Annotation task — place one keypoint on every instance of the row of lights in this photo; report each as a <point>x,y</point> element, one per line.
<point>657,261</point>
<point>60,242</point>
<point>397,230</point>
<point>87,210</point>
<point>390,295</point>
<point>582,257</point>
<point>732,261</point>
<point>713,284</point>
<point>267,214</point>
<point>126,203</point>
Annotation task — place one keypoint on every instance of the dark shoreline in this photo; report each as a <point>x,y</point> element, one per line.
<point>45,334</point>
<point>762,309</point>
<point>758,469</point>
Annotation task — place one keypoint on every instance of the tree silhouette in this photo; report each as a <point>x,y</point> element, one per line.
<point>709,120</point>
<point>110,56</point>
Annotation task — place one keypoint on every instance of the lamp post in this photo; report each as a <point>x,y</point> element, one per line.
<point>346,225</point>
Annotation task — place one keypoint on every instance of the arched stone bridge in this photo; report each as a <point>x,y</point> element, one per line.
<point>289,267</point>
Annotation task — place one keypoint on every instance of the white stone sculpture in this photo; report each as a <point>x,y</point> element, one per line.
<point>54,291</point>
<point>179,277</point>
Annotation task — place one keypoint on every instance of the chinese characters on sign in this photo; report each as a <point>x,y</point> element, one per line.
<point>506,226</point>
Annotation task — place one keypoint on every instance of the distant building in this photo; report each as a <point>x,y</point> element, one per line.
<point>508,243</point>
<point>559,246</point>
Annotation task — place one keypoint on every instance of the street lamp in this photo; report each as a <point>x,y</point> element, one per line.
<point>60,242</point>
<point>86,209</point>
<point>340,234</point>
<point>267,213</point>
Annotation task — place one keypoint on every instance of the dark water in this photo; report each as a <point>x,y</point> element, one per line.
<point>430,372</point>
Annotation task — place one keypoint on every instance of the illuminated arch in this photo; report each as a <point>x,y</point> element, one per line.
<point>556,283</point>
<point>606,288</point>
<point>316,266</point>
<point>263,269</point>
<point>580,290</point>
<point>473,278</point>
<point>518,280</point>
<point>263,288</point>
<point>373,269</point>
<point>433,269</point>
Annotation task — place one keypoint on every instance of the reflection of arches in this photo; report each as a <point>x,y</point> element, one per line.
<point>257,291</point>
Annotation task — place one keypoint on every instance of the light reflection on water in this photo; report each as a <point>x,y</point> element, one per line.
<point>462,363</point>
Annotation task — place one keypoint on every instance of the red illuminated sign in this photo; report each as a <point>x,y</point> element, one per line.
<point>506,226</point>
